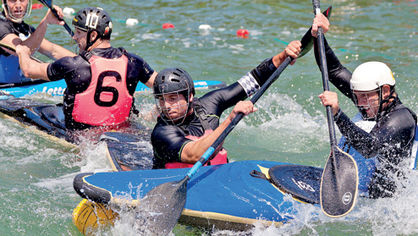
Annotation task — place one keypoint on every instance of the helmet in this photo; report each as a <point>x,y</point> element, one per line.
<point>370,76</point>
<point>10,16</point>
<point>173,80</point>
<point>94,19</point>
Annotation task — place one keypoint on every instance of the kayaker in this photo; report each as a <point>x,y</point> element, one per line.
<point>101,80</point>
<point>372,89</point>
<point>188,125</point>
<point>14,31</point>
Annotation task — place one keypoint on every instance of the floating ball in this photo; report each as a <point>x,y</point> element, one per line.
<point>168,26</point>
<point>68,11</point>
<point>242,33</point>
<point>88,216</point>
<point>37,6</point>
<point>131,21</point>
<point>205,27</point>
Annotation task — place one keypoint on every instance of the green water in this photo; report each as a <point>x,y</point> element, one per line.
<point>36,195</point>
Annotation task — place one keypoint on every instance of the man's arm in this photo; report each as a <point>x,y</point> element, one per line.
<point>31,68</point>
<point>36,39</point>
<point>54,51</point>
<point>391,138</point>
<point>194,150</point>
<point>338,74</point>
<point>150,82</point>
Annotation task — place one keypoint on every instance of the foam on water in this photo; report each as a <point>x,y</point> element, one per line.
<point>280,119</point>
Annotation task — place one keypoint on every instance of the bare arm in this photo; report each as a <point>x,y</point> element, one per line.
<point>31,68</point>
<point>150,82</point>
<point>36,40</point>
<point>54,51</point>
<point>192,151</point>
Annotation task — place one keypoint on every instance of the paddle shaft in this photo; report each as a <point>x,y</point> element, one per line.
<point>324,70</point>
<point>238,117</point>
<point>49,5</point>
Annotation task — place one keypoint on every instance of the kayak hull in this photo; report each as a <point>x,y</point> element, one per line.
<point>223,196</point>
<point>57,88</point>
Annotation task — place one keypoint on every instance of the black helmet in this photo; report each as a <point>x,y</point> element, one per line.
<point>173,80</point>
<point>94,19</point>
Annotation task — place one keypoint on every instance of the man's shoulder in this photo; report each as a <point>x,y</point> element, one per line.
<point>134,57</point>
<point>401,116</point>
<point>66,65</point>
<point>5,25</point>
<point>72,62</point>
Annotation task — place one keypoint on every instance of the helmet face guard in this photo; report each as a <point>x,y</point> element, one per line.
<point>10,15</point>
<point>169,85</point>
<point>173,102</point>
<point>365,102</point>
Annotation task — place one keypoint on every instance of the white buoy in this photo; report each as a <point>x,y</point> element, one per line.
<point>68,11</point>
<point>205,29</point>
<point>131,21</point>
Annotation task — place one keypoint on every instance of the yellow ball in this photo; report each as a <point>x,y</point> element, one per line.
<point>88,216</point>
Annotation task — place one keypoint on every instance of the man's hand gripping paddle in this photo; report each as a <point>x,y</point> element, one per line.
<point>339,180</point>
<point>162,206</point>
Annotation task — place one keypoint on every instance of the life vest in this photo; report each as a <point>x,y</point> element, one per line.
<point>367,166</point>
<point>220,156</point>
<point>106,101</point>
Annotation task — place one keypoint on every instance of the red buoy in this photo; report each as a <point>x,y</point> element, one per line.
<point>37,6</point>
<point>168,26</point>
<point>243,33</point>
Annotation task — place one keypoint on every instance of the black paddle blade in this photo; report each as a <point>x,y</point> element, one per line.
<point>47,3</point>
<point>161,207</point>
<point>339,184</point>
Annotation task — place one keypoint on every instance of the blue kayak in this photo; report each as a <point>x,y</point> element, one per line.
<point>57,88</point>
<point>228,196</point>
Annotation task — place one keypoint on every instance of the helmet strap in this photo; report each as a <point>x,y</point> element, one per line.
<point>88,42</point>
<point>383,101</point>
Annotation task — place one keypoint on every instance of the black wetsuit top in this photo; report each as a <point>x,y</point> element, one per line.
<point>391,138</point>
<point>9,27</point>
<point>77,74</point>
<point>168,140</point>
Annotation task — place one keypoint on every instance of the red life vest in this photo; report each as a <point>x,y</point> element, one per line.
<point>106,101</point>
<point>220,158</point>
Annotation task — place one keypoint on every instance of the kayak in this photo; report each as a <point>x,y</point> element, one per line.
<point>232,196</point>
<point>225,196</point>
<point>57,88</point>
<point>48,121</point>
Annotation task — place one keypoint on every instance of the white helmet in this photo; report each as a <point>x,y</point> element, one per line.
<point>370,76</point>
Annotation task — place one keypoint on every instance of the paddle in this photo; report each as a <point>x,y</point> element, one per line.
<point>162,206</point>
<point>48,3</point>
<point>339,180</point>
